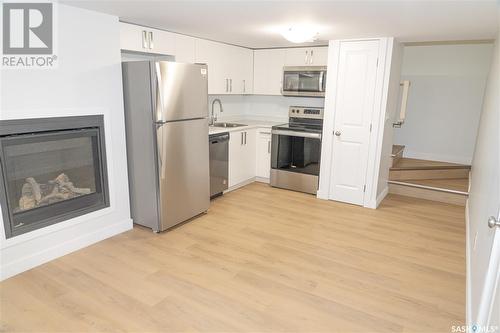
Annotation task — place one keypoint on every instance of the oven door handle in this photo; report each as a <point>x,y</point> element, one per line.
<point>297,134</point>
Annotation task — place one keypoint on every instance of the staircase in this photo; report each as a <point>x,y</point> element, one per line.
<point>431,180</point>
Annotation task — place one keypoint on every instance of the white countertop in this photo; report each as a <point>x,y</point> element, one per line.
<point>249,123</point>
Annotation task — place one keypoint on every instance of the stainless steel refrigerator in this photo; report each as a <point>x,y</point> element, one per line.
<point>166,110</point>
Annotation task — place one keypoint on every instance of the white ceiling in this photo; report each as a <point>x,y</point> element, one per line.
<point>254,23</point>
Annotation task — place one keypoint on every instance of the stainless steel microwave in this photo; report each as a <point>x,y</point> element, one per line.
<point>304,81</point>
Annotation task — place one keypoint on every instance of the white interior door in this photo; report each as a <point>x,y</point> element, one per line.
<point>489,306</point>
<point>355,91</point>
<point>483,251</point>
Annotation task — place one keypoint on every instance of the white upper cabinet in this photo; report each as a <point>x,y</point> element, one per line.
<point>229,67</point>
<point>185,48</point>
<point>142,39</point>
<point>213,54</point>
<point>242,70</point>
<point>232,70</point>
<point>162,42</point>
<point>268,71</point>
<point>133,37</point>
<point>306,56</point>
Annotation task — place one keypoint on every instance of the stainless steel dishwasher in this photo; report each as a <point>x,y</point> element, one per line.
<point>219,153</point>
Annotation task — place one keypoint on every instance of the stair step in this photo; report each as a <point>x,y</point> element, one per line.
<point>427,189</point>
<point>406,163</point>
<point>403,175</point>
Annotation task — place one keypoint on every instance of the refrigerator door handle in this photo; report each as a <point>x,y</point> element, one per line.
<point>160,105</point>
<point>160,147</point>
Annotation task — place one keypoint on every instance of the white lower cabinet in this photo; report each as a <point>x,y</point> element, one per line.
<point>263,156</point>
<point>241,156</point>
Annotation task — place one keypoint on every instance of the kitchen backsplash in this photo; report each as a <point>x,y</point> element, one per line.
<point>274,108</point>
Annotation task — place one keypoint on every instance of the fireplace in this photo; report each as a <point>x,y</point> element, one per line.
<point>51,169</point>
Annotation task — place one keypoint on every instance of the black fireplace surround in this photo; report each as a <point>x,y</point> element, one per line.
<point>51,170</point>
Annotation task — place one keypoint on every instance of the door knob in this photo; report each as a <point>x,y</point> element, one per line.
<point>338,133</point>
<point>493,222</point>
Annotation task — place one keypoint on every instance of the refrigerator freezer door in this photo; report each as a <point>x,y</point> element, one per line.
<point>183,170</point>
<point>181,91</point>
<point>141,150</point>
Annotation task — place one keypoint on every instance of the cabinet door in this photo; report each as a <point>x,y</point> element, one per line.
<point>215,55</point>
<point>299,56</point>
<point>319,56</point>
<point>161,42</point>
<point>263,157</point>
<point>236,158</point>
<point>133,37</point>
<point>241,156</point>
<point>249,146</point>
<point>268,71</point>
<point>241,71</point>
<point>185,48</point>
<point>306,56</point>
<point>247,65</point>
<point>137,38</point>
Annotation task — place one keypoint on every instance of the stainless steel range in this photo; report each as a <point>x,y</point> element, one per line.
<point>296,150</point>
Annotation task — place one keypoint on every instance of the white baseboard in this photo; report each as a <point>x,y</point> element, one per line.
<point>322,195</point>
<point>62,249</point>
<point>262,180</point>
<point>382,196</point>
<point>373,204</point>
<point>237,186</point>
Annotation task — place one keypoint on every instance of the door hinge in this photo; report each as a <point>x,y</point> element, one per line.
<point>377,62</point>
<point>364,188</point>
<point>370,128</point>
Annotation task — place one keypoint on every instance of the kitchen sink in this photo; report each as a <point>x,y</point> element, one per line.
<point>226,125</point>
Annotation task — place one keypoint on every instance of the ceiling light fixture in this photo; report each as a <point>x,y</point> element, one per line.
<point>300,34</point>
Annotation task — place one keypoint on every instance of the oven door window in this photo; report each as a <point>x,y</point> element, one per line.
<point>296,154</point>
<point>303,81</point>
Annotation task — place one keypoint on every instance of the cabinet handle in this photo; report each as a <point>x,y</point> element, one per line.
<point>245,138</point>
<point>230,85</point>
<point>312,57</point>
<point>269,147</point>
<point>151,44</point>
<point>144,39</point>
<point>244,86</point>
<point>241,138</point>
<point>227,85</point>
<point>306,60</point>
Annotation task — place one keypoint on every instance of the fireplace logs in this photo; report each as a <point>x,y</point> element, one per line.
<point>34,194</point>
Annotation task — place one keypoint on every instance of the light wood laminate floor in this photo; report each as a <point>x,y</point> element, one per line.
<point>261,260</point>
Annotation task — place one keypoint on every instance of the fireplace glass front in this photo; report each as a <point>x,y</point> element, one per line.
<point>51,176</point>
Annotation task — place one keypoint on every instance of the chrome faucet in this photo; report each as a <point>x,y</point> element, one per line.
<point>213,117</point>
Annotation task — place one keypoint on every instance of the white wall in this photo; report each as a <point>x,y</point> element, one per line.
<point>484,196</point>
<point>273,108</point>
<point>444,106</point>
<point>87,81</point>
